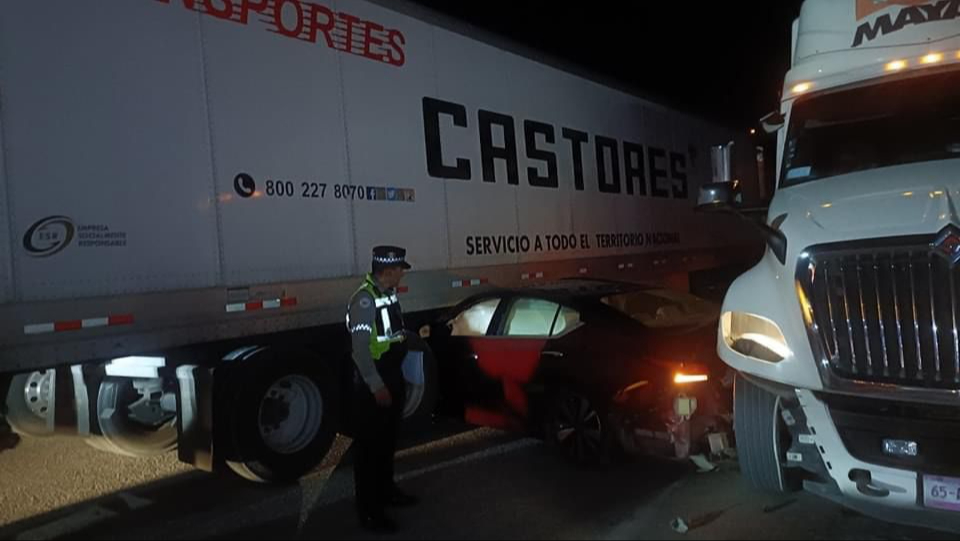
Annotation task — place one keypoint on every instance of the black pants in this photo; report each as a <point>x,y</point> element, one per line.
<point>376,435</point>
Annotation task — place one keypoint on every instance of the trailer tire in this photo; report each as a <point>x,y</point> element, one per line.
<point>29,403</point>
<point>279,413</point>
<point>762,438</point>
<point>123,436</point>
<point>423,387</point>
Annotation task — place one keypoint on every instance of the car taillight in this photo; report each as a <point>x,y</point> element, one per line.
<point>687,377</point>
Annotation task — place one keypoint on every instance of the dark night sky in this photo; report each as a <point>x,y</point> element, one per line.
<point>728,67</point>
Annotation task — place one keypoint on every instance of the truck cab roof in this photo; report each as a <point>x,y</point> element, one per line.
<point>840,42</point>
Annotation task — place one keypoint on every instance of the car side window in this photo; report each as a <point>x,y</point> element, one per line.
<point>530,317</point>
<point>474,321</point>
<point>567,320</point>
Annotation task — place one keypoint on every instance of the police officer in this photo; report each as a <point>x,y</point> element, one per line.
<point>375,322</point>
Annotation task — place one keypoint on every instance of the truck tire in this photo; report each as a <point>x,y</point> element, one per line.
<point>29,403</point>
<point>123,435</point>
<point>277,413</point>
<point>423,388</point>
<point>762,438</point>
<point>8,438</point>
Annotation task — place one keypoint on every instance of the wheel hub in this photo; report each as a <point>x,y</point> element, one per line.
<point>291,414</point>
<point>579,430</point>
<point>37,392</point>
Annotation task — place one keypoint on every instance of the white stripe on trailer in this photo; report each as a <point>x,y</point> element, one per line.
<point>77,324</point>
<point>475,282</point>
<point>583,270</point>
<point>254,306</point>
<point>41,328</point>
<point>96,322</point>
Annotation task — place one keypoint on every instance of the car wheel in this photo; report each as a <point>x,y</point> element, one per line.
<point>578,429</point>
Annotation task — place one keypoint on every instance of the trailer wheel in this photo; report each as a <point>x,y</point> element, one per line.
<point>122,432</point>
<point>280,411</point>
<point>30,401</point>
<point>423,392</point>
<point>762,438</point>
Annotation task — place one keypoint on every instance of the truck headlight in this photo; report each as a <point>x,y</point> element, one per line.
<point>754,336</point>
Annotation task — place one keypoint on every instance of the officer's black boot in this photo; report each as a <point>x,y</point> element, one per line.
<point>399,498</point>
<point>378,524</point>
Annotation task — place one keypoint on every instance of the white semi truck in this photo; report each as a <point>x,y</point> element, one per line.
<point>845,335</point>
<point>190,191</point>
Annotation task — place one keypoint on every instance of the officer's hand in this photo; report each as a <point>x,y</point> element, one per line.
<point>384,398</point>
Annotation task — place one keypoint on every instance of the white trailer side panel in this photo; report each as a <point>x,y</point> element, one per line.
<point>476,208</point>
<point>6,252</point>
<point>540,211</point>
<point>276,115</point>
<point>481,76</point>
<point>385,131</point>
<point>106,133</point>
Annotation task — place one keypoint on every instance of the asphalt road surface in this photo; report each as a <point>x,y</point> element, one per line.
<point>476,484</point>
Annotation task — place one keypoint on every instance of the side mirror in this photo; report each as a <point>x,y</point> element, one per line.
<point>717,197</point>
<point>773,122</point>
<point>722,197</point>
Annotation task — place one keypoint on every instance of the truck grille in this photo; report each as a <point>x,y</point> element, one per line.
<point>887,314</point>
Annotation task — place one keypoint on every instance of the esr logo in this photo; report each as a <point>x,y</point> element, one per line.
<point>49,236</point>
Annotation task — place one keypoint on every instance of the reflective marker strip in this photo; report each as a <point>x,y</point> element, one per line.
<point>256,306</point>
<point>470,283</point>
<point>583,270</point>
<point>41,328</point>
<point>78,324</point>
<point>527,276</point>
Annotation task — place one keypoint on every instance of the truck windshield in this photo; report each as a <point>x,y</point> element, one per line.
<point>881,125</point>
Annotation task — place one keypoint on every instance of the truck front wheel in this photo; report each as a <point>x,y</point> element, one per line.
<point>762,438</point>
<point>278,413</point>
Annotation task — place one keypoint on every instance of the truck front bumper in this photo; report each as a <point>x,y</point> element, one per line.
<point>862,477</point>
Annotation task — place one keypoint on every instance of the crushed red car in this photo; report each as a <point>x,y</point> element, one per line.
<point>593,367</point>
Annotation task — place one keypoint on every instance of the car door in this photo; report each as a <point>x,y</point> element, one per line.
<point>455,352</point>
<point>504,362</point>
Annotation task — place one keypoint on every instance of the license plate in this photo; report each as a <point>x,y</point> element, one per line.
<point>941,493</point>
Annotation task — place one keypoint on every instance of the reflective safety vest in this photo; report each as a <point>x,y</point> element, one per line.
<point>387,328</point>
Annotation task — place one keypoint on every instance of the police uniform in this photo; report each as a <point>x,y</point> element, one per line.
<point>375,322</point>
